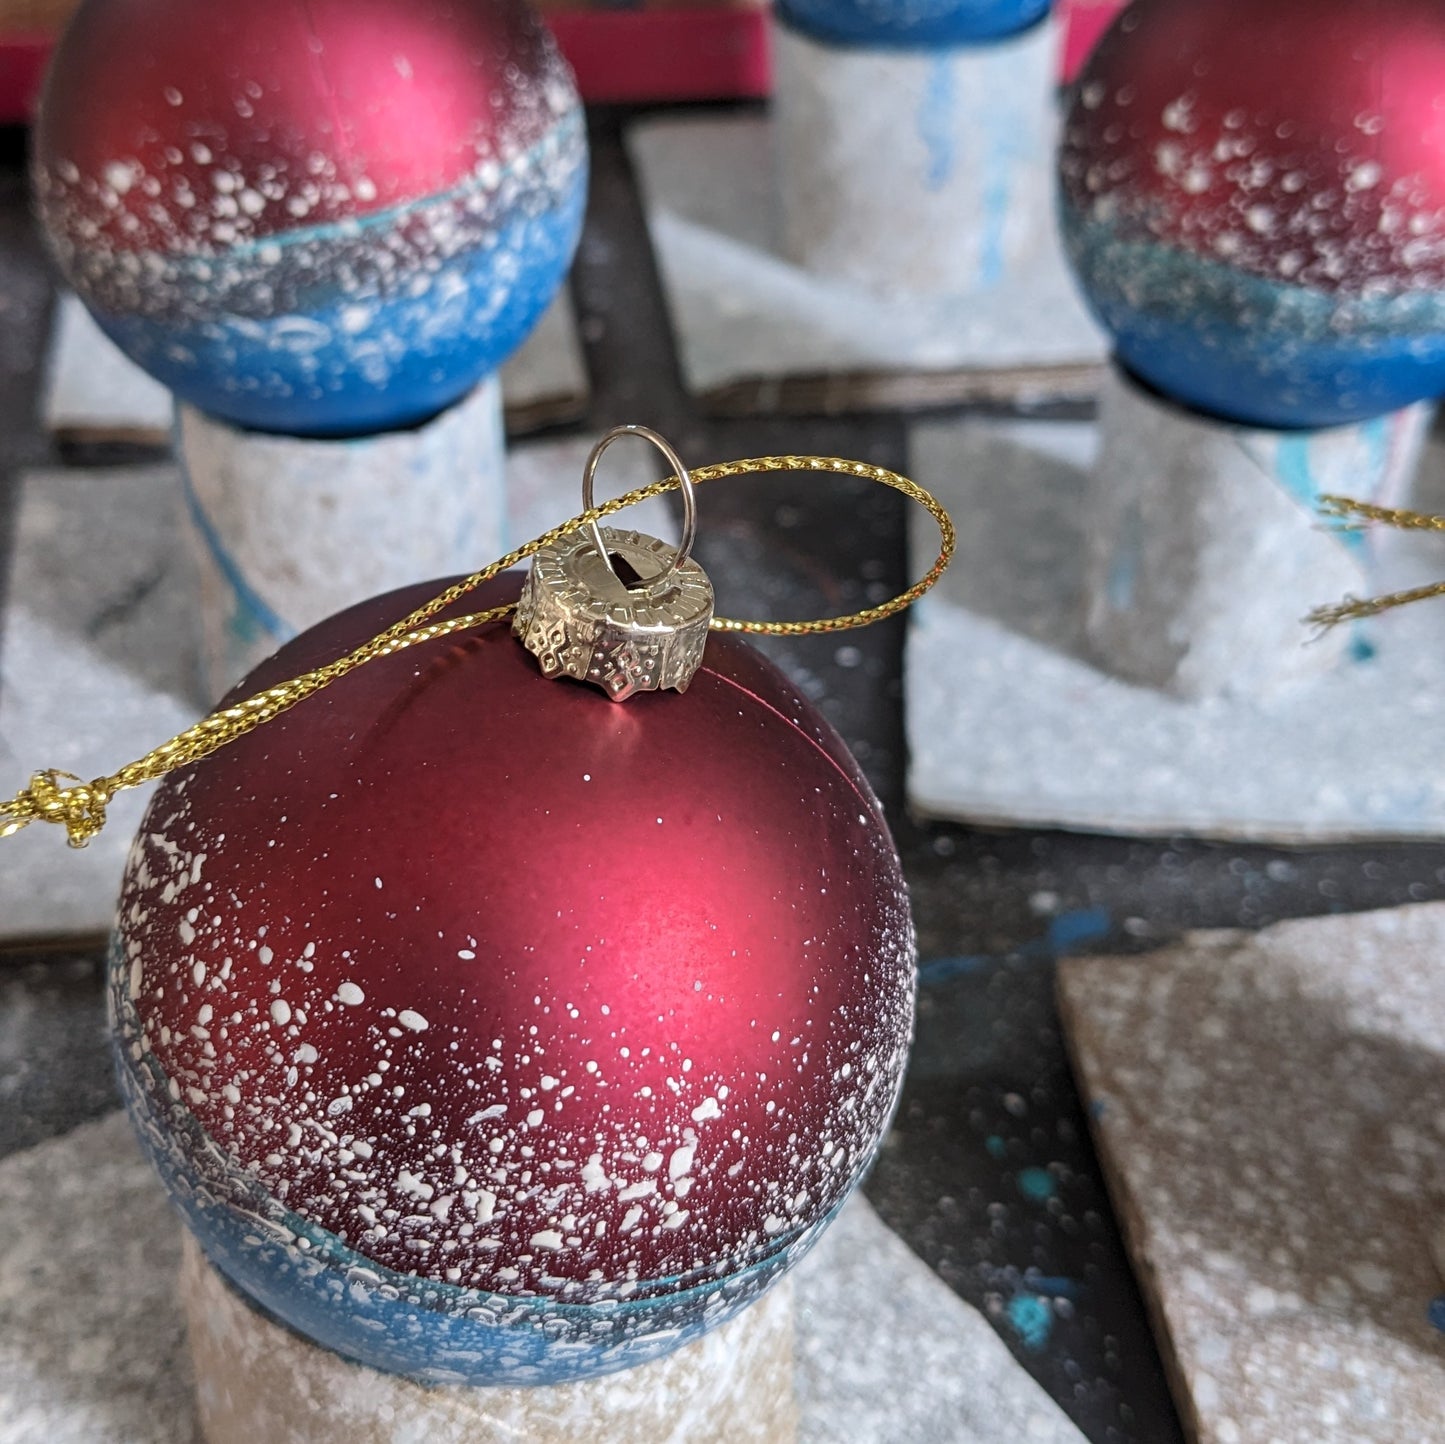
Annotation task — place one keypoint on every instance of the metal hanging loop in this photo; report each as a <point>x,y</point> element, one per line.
<point>684,479</point>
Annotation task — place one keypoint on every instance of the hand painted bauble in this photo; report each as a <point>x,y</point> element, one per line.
<point>908,23</point>
<point>317,217</point>
<point>484,1029</point>
<point>1253,194</point>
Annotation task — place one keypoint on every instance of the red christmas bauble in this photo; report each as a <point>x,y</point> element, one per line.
<point>1254,195</point>
<point>312,216</point>
<point>508,988</point>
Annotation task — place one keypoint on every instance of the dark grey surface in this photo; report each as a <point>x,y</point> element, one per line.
<point>55,1068</point>
<point>989,1173</point>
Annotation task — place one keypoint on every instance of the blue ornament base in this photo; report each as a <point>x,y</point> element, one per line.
<point>1252,350</point>
<point>347,367</point>
<point>912,24</point>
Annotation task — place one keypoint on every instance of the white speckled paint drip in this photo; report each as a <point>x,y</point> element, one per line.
<point>916,171</point>
<point>1269,1107</point>
<point>1205,548</point>
<point>256,1381</point>
<point>289,530</point>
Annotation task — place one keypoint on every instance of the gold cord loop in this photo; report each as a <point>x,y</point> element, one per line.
<point>1353,516</point>
<point>80,807</point>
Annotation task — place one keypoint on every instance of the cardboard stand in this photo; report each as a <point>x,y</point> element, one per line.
<point>1205,546</point>
<point>919,171</point>
<point>256,1380</point>
<point>288,530</point>
<point>1267,1110</point>
<point>1016,715</point>
<point>884,239</point>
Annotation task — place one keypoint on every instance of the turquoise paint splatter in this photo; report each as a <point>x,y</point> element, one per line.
<point>250,617</point>
<point>1080,925</point>
<point>1124,564</point>
<point>940,970</point>
<point>242,625</point>
<point>997,1148</point>
<point>1376,436</point>
<point>935,123</point>
<point>1032,1319</point>
<point>1002,161</point>
<point>1293,468</point>
<point>1068,930</point>
<point>1036,1184</point>
<point>1375,433</point>
<point>1054,1285</point>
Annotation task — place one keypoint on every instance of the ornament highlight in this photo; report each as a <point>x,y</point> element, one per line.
<point>316,218</point>
<point>1253,196</point>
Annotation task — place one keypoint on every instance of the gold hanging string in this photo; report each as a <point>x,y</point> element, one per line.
<point>1354,516</point>
<point>80,807</point>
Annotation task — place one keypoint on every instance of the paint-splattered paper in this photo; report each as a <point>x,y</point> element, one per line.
<point>1269,1108</point>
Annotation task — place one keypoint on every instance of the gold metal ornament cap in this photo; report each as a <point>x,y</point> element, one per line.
<point>617,608</point>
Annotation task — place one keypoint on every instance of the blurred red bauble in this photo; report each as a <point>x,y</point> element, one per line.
<point>515,989</point>
<point>333,109</point>
<point>1253,192</point>
<point>312,215</point>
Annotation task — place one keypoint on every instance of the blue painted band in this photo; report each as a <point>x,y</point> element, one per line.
<point>352,328</point>
<point>316,375</point>
<point>250,600</point>
<point>1251,350</point>
<point>912,24</point>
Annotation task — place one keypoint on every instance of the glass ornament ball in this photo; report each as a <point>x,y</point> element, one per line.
<point>484,1029</point>
<point>1253,198</point>
<point>316,217</point>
